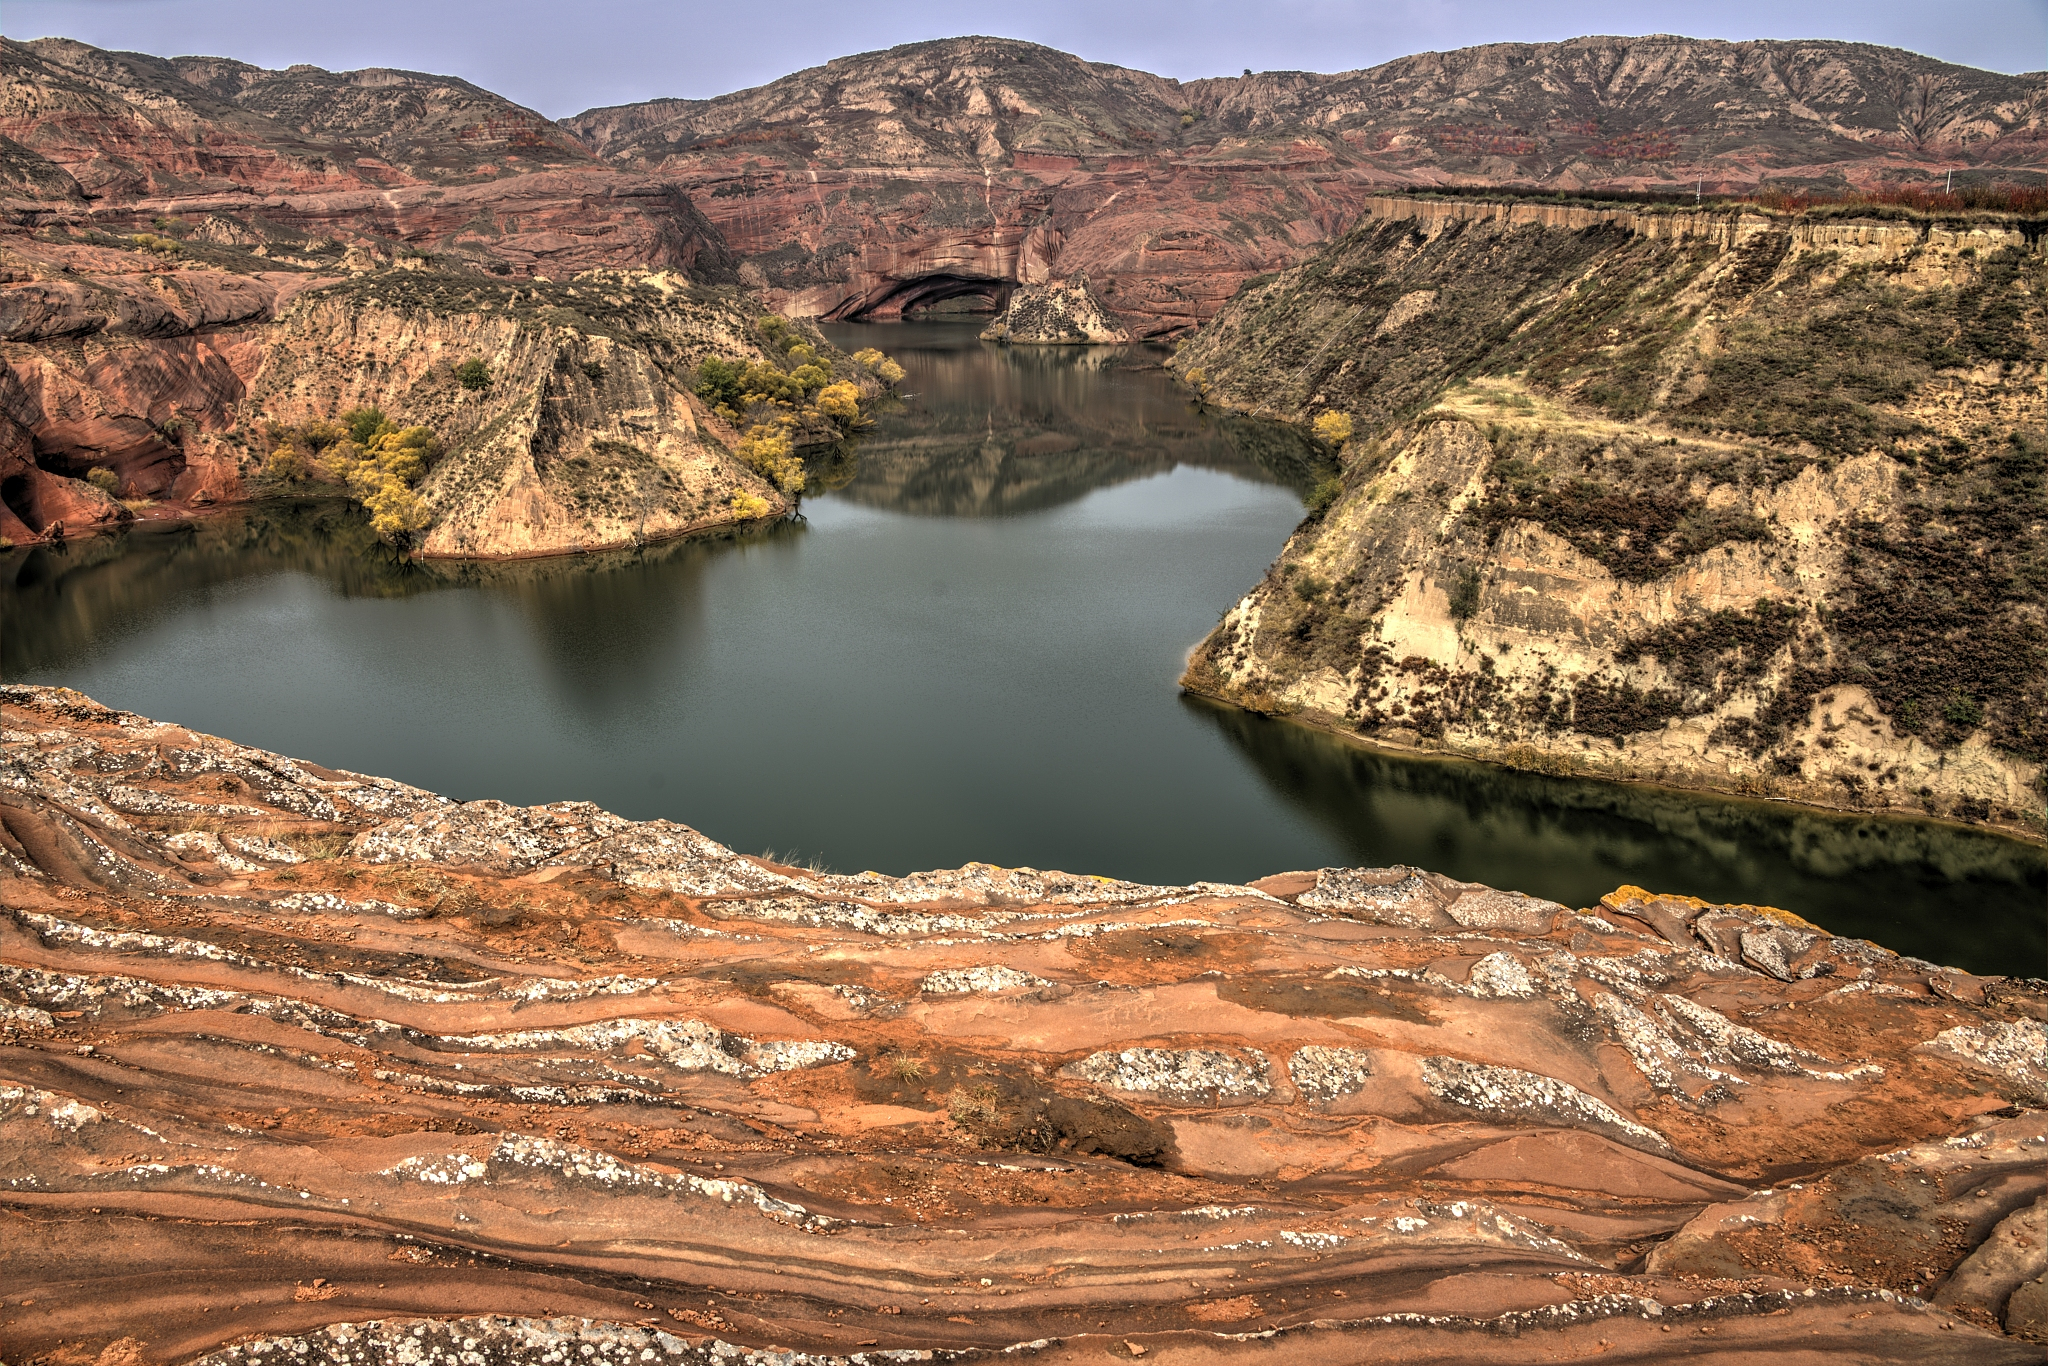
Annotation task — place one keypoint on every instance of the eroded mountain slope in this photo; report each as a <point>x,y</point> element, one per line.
<point>173,368</point>
<point>119,140</point>
<point>885,181</point>
<point>1739,502</point>
<point>284,1050</point>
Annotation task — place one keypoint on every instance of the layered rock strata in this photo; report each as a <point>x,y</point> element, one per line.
<point>878,183</point>
<point>245,156</point>
<point>1065,314</point>
<point>169,373</point>
<point>298,1064</point>
<point>1731,501</point>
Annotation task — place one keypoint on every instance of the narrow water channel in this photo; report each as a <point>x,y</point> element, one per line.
<point>965,649</point>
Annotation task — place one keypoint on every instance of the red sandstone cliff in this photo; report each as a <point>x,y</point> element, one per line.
<point>887,181</point>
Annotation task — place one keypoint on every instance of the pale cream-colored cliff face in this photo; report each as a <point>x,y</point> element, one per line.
<point>1426,608</point>
<point>1547,615</point>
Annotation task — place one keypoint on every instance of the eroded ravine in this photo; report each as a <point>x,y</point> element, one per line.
<point>288,1048</point>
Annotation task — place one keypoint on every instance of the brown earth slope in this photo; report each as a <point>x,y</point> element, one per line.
<point>284,1049</point>
<point>892,180</point>
<point>1744,502</point>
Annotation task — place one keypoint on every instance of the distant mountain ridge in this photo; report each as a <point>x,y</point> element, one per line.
<point>1540,109</point>
<point>879,184</point>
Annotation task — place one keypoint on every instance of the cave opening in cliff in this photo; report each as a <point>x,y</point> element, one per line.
<point>19,495</point>
<point>938,294</point>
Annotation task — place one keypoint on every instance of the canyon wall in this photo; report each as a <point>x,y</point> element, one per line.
<point>880,182</point>
<point>1725,501</point>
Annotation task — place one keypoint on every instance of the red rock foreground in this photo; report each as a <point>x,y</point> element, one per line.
<point>302,1066</point>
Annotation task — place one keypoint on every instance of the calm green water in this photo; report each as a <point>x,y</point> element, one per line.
<point>965,650</point>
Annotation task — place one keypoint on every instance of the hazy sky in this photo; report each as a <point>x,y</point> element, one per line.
<point>563,56</point>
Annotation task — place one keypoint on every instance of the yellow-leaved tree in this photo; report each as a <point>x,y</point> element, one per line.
<point>1333,428</point>
<point>768,449</point>
<point>879,365</point>
<point>840,402</point>
<point>381,474</point>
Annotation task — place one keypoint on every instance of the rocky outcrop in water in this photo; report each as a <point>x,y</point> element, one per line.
<point>1730,501</point>
<point>1065,314</point>
<point>325,1067</point>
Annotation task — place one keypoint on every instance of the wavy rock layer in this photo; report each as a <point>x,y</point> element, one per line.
<point>288,1050</point>
<point>1709,499</point>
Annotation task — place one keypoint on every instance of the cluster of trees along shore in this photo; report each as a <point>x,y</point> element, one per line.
<point>779,408</point>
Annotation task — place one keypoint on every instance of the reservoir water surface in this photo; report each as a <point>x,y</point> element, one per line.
<point>965,649</point>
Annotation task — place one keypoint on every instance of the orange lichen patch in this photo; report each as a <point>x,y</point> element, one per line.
<point>1629,895</point>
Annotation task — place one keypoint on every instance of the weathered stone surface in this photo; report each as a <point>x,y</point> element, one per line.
<point>312,1061</point>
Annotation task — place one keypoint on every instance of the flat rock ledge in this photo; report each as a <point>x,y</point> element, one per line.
<point>1064,314</point>
<point>319,1067</point>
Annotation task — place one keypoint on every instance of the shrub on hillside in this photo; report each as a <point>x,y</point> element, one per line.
<point>840,402</point>
<point>1333,429</point>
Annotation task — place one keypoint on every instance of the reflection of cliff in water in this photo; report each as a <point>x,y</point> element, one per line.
<point>992,430</point>
<point>1573,840</point>
<point>610,625</point>
<point>62,600</point>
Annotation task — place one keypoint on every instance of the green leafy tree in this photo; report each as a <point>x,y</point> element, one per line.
<point>364,424</point>
<point>103,479</point>
<point>473,374</point>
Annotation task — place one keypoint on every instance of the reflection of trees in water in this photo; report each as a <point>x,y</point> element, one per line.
<point>1949,894</point>
<point>1022,428</point>
<point>60,599</point>
<point>615,606</point>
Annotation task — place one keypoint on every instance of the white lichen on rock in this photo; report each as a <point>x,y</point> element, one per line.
<point>687,1045</point>
<point>1392,896</point>
<point>1500,975</point>
<point>1323,1073</point>
<point>991,978</point>
<point>1200,1076</point>
<point>2018,1049</point>
<point>1508,1090</point>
